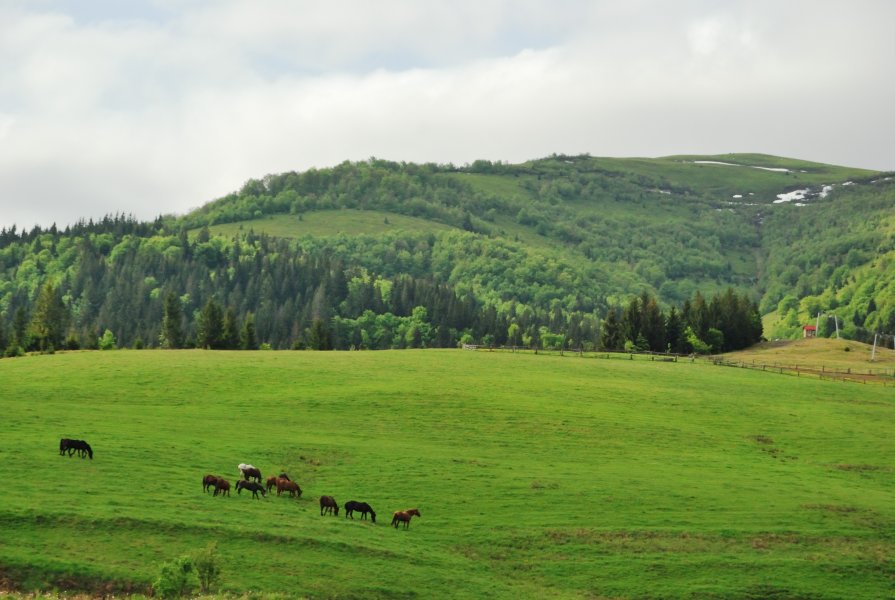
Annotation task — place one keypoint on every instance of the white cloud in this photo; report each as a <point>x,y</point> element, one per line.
<point>163,112</point>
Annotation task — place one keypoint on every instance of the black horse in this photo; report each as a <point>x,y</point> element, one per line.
<point>63,445</point>
<point>252,486</point>
<point>71,446</point>
<point>362,507</point>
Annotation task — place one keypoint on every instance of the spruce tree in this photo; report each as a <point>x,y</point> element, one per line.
<point>210,327</point>
<point>230,333</point>
<point>50,319</point>
<point>247,337</point>
<point>172,323</point>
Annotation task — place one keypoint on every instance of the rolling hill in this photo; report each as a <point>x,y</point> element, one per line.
<point>550,245</point>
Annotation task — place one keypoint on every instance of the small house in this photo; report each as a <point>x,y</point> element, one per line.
<point>809,331</point>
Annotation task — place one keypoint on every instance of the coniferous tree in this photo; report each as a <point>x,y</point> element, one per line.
<point>50,319</point>
<point>247,337</point>
<point>172,323</point>
<point>230,330</point>
<point>210,326</point>
<point>632,321</point>
<point>611,335</point>
<point>674,332</point>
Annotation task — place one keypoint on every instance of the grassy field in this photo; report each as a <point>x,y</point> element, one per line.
<point>536,476</point>
<point>330,222</point>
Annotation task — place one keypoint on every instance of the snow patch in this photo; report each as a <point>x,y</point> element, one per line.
<point>737,195</point>
<point>727,164</point>
<point>792,196</point>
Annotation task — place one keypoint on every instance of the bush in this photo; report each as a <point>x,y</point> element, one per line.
<point>207,567</point>
<point>107,342</point>
<point>178,578</point>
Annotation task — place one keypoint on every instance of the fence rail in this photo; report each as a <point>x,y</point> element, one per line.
<point>885,377</point>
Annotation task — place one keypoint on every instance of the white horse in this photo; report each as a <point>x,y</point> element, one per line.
<point>249,471</point>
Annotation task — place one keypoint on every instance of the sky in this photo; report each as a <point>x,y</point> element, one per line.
<point>151,107</point>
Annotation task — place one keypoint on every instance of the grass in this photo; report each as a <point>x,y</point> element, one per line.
<point>831,353</point>
<point>536,476</point>
<point>330,222</point>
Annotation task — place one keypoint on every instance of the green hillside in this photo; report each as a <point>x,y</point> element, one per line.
<point>535,476</point>
<point>551,247</point>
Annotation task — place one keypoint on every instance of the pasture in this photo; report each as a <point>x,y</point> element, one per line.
<point>535,476</point>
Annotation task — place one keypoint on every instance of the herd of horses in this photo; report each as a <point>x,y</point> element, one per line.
<point>251,482</point>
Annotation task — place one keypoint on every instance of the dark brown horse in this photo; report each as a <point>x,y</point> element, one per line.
<point>403,516</point>
<point>284,485</point>
<point>209,481</point>
<point>250,472</point>
<point>252,486</point>
<point>328,505</point>
<point>221,486</point>
<point>362,507</point>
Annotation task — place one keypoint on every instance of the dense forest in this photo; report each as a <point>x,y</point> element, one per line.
<point>565,252</point>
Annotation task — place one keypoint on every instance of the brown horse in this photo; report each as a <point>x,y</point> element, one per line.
<point>284,485</point>
<point>271,483</point>
<point>328,505</point>
<point>209,481</point>
<point>403,516</point>
<point>221,486</point>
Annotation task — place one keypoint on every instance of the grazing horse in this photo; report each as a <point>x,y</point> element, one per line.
<point>252,486</point>
<point>209,481</point>
<point>250,472</point>
<point>221,486</point>
<point>328,505</point>
<point>403,516</point>
<point>271,483</point>
<point>284,485</point>
<point>362,507</point>
<point>71,446</point>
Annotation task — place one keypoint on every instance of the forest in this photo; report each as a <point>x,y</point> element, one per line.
<point>564,252</point>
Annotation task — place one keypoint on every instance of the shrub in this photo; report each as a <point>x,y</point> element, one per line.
<point>207,567</point>
<point>107,342</point>
<point>178,578</point>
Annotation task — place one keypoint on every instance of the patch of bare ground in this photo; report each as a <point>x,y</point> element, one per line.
<point>863,468</point>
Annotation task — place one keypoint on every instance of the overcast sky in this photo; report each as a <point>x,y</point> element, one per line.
<point>159,106</point>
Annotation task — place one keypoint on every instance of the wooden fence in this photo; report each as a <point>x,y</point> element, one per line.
<point>885,377</point>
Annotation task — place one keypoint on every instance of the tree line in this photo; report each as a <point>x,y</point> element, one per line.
<point>119,283</point>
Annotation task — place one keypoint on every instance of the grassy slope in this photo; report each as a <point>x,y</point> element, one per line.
<point>816,352</point>
<point>330,222</point>
<point>536,476</point>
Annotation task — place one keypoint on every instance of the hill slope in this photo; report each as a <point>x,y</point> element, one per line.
<point>535,476</point>
<point>548,245</point>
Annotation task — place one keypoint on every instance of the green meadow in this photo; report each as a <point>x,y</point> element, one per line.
<point>536,476</point>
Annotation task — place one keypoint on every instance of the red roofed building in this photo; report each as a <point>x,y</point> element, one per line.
<point>809,331</point>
